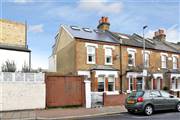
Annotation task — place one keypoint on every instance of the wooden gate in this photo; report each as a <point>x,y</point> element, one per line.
<point>64,90</point>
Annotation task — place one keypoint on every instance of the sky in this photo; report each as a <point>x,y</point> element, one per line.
<point>44,18</point>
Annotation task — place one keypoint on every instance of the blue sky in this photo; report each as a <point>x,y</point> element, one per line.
<point>44,18</point>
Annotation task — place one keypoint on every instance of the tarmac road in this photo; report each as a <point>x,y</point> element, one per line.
<point>163,115</point>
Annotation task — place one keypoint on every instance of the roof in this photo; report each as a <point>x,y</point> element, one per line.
<point>137,41</point>
<point>90,34</point>
<point>16,48</point>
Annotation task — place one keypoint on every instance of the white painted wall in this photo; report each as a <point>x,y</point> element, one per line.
<point>20,96</point>
<point>88,93</point>
<point>19,57</point>
<point>52,63</point>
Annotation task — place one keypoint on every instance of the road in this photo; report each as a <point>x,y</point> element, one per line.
<point>163,115</point>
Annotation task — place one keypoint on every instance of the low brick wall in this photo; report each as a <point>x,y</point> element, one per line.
<point>113,100</point>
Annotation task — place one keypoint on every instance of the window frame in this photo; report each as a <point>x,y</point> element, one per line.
<point>108,55</point>
<point>163,61</point>
<point>175,63</point>
<point>147,58</point>
<point>93,55</point>
<point>111,82</point>
<point>133,53</point>
<point>104,87</point>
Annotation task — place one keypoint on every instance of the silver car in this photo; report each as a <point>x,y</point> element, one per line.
<point>149,101</point>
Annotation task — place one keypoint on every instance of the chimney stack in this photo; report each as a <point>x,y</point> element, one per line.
<point>160,35</point>
<point>103,24</point>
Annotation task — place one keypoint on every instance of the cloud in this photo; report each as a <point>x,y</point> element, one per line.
<point>36,28</point>
<point>172,34</point>
<point>22,1</point>
<point>100,6</point>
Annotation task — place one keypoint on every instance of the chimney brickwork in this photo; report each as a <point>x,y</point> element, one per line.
<point>103,24</point>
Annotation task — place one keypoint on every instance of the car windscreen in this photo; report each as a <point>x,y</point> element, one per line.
<point>136,94</point>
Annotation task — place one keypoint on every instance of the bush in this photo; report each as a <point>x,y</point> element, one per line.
<point>25,68</point>
<point>8,66</point>
<point>165,88</point>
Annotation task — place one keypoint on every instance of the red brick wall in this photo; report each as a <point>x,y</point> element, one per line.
<point>64,90</point>
<point>113,100</point>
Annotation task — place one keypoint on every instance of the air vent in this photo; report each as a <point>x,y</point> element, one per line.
<point>75,28</point>
<point>87,30</point>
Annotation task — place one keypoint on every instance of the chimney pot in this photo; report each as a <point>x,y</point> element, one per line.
<point>103,23</point>
<point>161,31</point>
<point>156,33</point>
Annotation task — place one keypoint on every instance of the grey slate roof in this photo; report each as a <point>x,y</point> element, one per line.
<point>94,35</point>
<point>119,38</point>
<point>137,41</point>
<point>16,48</point>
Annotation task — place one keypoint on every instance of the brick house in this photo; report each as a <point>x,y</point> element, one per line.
<point>13,44</point>
<point>113,61</point>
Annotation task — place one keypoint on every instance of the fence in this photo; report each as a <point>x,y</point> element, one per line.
<point>21,91</point>
<point>21,77</point>
<point>64,90</point>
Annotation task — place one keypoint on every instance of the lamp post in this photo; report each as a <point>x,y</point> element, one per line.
<point>144,70</point>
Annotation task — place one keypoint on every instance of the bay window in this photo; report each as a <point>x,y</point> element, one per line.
<point>111,82</point>
<point>101,83</point>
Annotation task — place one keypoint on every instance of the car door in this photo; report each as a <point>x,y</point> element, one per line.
<point>157,100</point>
<point>171,101</point>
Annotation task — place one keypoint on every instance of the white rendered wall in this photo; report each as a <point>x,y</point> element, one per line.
<point>20,96</point>
<point>52,63</point>
<point>19,57</point>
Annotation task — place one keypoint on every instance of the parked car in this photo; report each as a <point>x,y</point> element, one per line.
<point>149,101</point>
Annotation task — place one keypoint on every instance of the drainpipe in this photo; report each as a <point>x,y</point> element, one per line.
<point>121,66</point>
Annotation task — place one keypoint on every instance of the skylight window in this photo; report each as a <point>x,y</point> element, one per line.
<point>123,36</point>
<point>87,30</point>
<point>75,28</point>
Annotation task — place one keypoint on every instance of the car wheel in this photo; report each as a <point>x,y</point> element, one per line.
<point>148,110</point>
<point>178,107</point>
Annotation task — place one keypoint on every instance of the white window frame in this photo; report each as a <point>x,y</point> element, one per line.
<point>104,82</point>
<point>163,62</point>
<point>129,85</point>
<point>133,53</point>
<point>113,82</point>
<point>108,55</point>
<point>91,45</point>
<point>175,63</point>
<point>93,54</point>
<point>147,58</point>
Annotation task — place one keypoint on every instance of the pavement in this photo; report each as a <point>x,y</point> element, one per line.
<point>61,113</point>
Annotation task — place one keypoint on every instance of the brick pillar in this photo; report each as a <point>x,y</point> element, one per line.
<point>161,83</point>
<point>176,83</point>
<point>106,83</point>
<point>154,83</point>
<point>117,84</point>
<point>96,84</point>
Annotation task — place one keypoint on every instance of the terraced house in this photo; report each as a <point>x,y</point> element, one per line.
<point>113,61</point>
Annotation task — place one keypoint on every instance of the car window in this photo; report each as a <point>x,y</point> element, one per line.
<point>165,94</point>
<point>155,94</point>
<point>136,94</point>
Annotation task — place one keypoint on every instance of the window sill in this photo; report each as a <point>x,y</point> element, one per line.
<point>90,63</point>
<point>112,92</point>
<point>108,64</point>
